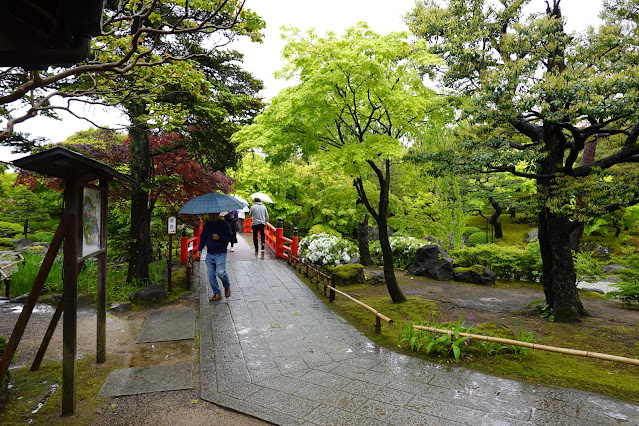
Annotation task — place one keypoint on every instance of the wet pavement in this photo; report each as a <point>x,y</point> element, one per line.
<point>276,352</point>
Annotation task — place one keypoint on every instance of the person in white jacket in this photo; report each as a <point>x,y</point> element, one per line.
<point>259,215</point>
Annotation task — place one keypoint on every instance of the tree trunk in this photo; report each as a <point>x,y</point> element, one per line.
<point>140,252</point>
<point>559,278</point>
<point>494,218</point>
<point>362,242</point>
<point>382,223</point>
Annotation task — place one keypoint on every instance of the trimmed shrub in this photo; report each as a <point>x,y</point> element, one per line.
<point>478,238</point>
<point>325,249</point>
<point>404,249</point>
<point>6,242</point>
<point>469,230</point>
<point>506,262</point>
<point>8,229</point>
<point>42,237</point>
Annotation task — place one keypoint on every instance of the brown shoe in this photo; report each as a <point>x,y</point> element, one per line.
<point>215,298</point>
<point>227,292</point>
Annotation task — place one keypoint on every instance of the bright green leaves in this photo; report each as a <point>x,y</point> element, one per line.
<point>360,93</point>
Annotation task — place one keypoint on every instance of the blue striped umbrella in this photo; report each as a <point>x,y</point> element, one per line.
<point>214,202</point>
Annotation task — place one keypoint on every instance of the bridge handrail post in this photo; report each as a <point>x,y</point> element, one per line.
<point>279,238</point>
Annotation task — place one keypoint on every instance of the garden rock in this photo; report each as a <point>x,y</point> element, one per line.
<point>20,299</point>
<point>120,307</point>
<point>613,268</point>
<point>598,250</point>
<point>149,294</point>
<point>476,274</point>
<point>86,300</point>
<point>52,299</point>
<point>354,260</point>
<point>21,243</point>
<point>532,235</point>
<point>433,262</point>
<point>347,274</point>
<point>376,278</point>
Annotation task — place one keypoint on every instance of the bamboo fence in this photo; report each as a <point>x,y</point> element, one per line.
<point>577,352</point>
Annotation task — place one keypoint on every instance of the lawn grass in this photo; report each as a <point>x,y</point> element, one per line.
<point>542,368</point>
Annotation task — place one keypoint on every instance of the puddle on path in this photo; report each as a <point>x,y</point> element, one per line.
<point>163,353</point>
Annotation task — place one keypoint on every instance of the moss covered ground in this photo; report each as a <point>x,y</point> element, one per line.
<point>596,334</point>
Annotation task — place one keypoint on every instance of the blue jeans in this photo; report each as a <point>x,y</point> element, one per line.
<point>216,266</point>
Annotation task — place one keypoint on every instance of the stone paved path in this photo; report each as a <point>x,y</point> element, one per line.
<point>274,351</point>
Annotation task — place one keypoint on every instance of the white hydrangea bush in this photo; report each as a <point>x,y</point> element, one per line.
<point>403,247</point>
<point>324,249</point>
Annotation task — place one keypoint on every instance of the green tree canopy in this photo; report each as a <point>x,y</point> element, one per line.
<point>360,99</point>
<point>537,96</point>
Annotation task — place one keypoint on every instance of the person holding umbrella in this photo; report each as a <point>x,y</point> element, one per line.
<point>259,215</point>
<point>216,236</point>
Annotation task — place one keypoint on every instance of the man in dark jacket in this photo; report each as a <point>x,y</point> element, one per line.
<point>216,235</point>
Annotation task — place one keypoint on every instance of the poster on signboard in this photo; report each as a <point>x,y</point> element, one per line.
<point>91,208</point>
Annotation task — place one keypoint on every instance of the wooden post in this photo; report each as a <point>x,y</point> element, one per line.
<point>6,287</point>
<point>184,247</point>
<point>189,271</point>
<point>169,265</point>
<point>100,352</point>
<point>378,325</point>
<point>295,243</point>
<point>18,330</point>
<point>279,238</point>
<point>72,203</point>
<point>331,294</point>
<point>47,337</point>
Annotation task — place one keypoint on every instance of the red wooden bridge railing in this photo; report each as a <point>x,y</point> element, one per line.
<point>275,239</point>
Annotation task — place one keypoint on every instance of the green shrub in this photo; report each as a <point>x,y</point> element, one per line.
<point>324,249</point>
<point>3,344</point>
<point>321,228</point>
<point>42,237</point>
<point>588,267</point>
<point>6,242</point>
<point>8,229</point>
<point>506,262</point>
<point>629,285</point>
<point>404,249</point>
<point>479,238</point>
<point>469,230</point>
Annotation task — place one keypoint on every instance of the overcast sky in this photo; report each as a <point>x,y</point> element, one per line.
<point>262,60</point>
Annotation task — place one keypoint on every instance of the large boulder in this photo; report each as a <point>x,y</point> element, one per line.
<point>149,294</point>
<point>476,274</point>
<point>376,278</point>
<point>433,262</point>
<point>347,274</point>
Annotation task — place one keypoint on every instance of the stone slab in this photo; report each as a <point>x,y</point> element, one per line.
<point>170,325</point>
<point>134,381</point>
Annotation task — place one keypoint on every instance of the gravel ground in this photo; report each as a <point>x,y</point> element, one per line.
<point>159,408</point>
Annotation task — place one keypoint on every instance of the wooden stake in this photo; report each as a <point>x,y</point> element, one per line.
<point>47,337</point>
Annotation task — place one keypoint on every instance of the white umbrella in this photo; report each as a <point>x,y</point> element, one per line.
<point>262,196</point>
<point>239,198</point>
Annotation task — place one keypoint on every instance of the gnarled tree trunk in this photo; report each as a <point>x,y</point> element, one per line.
<point>559,278</point>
